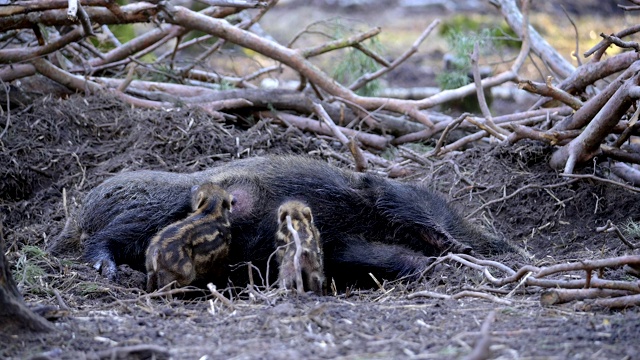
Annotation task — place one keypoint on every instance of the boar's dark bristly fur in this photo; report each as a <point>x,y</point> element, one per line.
<point>366,223</point>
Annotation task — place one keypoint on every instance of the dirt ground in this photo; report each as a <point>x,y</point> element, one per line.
<point>57,147</point>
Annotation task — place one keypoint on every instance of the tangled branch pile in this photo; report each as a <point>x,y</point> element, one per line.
<point>51,39</point>
<point>598,291</point>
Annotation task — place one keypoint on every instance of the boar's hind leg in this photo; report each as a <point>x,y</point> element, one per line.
<point>352,263</point>
<point>419,216</point>
<point>118,243</point>
<point>101,259</point>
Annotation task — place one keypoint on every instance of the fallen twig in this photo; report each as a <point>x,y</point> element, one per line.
<point>122,352</point>
<point>561,296</point>
<point>482,351</point>
<point>459,295</point>
<point>610,227</point>
<point>615,303</point>
<point>597,178</point>
<point>220,297</point>
<point>535,276</point>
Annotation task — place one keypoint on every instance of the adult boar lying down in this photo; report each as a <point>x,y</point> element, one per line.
<point>367,224</point>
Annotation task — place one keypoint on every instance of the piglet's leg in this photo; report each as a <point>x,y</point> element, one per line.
<point>301,258</point>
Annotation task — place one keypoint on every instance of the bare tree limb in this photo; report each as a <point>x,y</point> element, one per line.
<point>616,303</point>
<point>604,44</point>
<point>610,227</point>
<point>402,58</point>
<point>540,47</point>
<point>561,296</point>
<point>551,91</point>
<point>589,73</point>
<point>587,144</point>
<point>8,56</point>
<point>623,44</point>
<point>488,125</point>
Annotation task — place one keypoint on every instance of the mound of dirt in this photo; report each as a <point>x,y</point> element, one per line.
<point>54,151</point>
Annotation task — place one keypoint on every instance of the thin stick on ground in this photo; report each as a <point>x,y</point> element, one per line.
<point>460,295</point>
<point>561,296</point>
<point>597,178</point>
<point>610,227</point>
<point>535,276</point>
<point>220,297</point>
<point>482,349</point>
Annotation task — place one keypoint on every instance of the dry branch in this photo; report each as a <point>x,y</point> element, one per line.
<point>306,124</point>
<point>292,58</point>
<point>132,13</point>
<point>457,296</point>
<point>363,80</point>
<point>539,46</point>
<point>589,73</point>
<point>482,349</point>
<point>603,45</point>
<point>561,296</point>
<point>488,125</point>
<point>552,137</point>
<point>381,113</point>
<point>528,275</point>
<point>8,56</point>
<point>621,302</point>
<point>587,144</point>
<point>623,44</point>
<point>551,91</point>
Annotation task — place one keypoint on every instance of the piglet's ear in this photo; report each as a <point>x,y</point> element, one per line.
<point>282,216</point>
<point>307,213</point>
<point>197,198</point>
<point>232,202</point>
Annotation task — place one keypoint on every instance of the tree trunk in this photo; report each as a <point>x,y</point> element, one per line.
<point>15,317</point>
